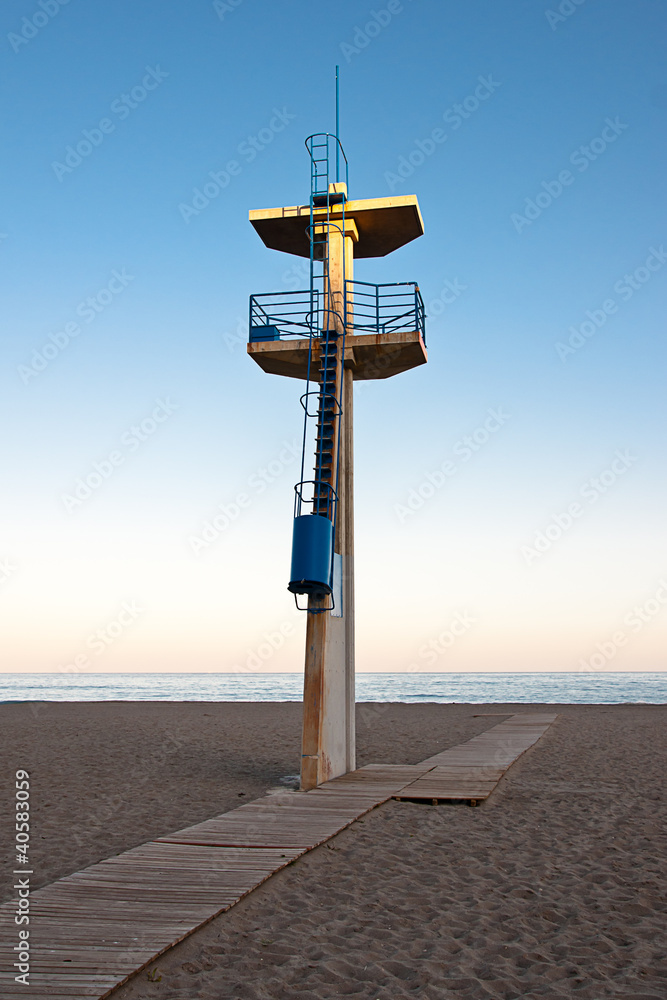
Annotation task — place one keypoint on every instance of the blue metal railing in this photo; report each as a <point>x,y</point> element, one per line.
<point>391,308</point>
<point>281,315</point>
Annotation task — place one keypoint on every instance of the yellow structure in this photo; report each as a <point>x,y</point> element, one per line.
<point>385,346</point>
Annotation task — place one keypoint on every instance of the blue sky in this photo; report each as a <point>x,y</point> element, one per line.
<point>544,210</point>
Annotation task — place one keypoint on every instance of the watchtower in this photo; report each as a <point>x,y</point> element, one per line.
<point>333,333</point>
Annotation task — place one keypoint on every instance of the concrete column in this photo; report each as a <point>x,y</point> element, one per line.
<point>328,746</point>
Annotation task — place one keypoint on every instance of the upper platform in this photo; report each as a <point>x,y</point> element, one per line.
<point>383,225</point>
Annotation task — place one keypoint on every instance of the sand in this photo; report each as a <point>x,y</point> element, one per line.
<point>552,888</point>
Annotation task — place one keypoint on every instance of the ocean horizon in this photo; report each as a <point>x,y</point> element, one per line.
<point>566,687</point>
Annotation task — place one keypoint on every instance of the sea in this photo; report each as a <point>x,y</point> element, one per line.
<point>580,688</point>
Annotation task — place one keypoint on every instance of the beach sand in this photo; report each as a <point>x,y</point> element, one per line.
<point>554,887</point>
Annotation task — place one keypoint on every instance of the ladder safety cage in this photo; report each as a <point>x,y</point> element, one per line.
<point>319,147</point>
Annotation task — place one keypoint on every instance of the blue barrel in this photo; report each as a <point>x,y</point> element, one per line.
<point>312,550</point>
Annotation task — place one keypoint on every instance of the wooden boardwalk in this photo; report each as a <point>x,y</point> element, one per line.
<point>91,931</point>
<point>470,772</point>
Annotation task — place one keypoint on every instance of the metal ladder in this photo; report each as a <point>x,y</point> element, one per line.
<point>327,411</point>
<point>326,338</point>
<point>323,327</point>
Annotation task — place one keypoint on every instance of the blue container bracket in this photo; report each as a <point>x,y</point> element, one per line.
<point>265,332</point>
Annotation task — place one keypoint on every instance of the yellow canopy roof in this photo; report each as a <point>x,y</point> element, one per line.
<point>384,225</point>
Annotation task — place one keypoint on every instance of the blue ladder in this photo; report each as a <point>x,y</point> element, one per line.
<point>312,551</point>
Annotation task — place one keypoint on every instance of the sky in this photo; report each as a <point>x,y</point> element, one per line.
<point>510,494</point>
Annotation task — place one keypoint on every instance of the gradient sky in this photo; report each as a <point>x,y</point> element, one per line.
<point>544,210</point>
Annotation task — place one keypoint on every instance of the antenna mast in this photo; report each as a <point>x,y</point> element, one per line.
<point>337,129</point>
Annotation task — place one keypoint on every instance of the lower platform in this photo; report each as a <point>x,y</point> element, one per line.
<point>369,356</point>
